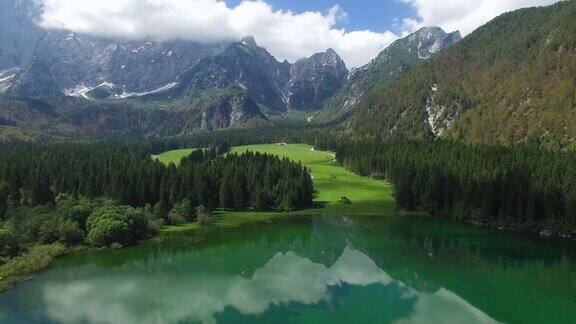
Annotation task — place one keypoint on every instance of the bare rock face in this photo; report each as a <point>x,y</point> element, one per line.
<point>230,111</point>
<point>315,79</point>
<point>48,63</point>
<point>276,86</point>
<point>440,117</point>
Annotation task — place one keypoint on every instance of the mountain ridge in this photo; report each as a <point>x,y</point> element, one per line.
<point>512,80</point>
<point>392,62</point>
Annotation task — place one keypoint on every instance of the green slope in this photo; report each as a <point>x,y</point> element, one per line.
<point>512,80</point>
<point>331,180</point>
<point>174,156</point>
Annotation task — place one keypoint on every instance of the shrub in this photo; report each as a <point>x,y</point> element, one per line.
<point>345,201</point>
<point>117,224</point>
<point>70,233</point>
<point>8,241</point>
<point>205,219</point>
<point>106,231</point>
<point>49,230</point>
<point>175,217</point>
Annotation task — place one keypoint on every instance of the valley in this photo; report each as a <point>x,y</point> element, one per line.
<point>331,180</point>
<point>367,197</point>
<point>219,161</point>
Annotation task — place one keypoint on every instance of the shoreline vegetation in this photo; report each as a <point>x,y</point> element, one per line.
<point>49,216</point>
<point>332,181</point>
<point>40,256</point>
<point>337,192</point>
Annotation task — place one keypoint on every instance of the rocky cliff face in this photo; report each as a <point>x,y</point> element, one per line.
<point>233,110</point>
<point>45,60</point>
<point>276,86</point>
<point>316,79</point>
<point>245,65</point>
<point>392,62</point>
<point>18,33</point>
<point>46,63</point>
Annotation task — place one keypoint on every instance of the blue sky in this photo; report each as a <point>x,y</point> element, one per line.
<point>376,15</point>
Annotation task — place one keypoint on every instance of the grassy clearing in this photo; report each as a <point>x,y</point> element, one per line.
<point>38,258</point>
<point>331,180</point>
<point>174,156</point>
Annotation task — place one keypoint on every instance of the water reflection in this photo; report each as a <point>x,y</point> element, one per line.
<point>314,270</point>
<point>287,278</point>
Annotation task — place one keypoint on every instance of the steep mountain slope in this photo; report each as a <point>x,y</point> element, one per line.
<point>66,117</point>
<point>243,64</point>
<point>394,61</point>
<point>223,84</point>
<point>18,35</point>
<point>39,62</point>
<point>511,80</point>
<point>316,79</point>
<point>276,86</point>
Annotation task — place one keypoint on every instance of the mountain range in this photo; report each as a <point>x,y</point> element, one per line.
<point>96,86</point>
<point>512,80</point>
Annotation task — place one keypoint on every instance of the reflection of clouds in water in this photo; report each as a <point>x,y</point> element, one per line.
<point>444,306</point>
<point>199,296</point>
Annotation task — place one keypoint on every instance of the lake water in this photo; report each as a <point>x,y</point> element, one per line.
<point>311,270</point>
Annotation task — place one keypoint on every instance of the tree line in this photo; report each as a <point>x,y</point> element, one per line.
<point>106,193</point>
<point>518,186</point>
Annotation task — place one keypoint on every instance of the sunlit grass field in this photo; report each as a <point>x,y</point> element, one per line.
<point>174,156</point>
<point>331,182</point>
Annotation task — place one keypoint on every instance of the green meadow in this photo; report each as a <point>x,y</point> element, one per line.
<point>174,156</point>
<point>331,182</point>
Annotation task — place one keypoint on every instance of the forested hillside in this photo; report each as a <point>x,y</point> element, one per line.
<point>512,80</point>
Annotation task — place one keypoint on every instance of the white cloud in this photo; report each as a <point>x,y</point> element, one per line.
<point>464,15</point>
<point>287,35</point>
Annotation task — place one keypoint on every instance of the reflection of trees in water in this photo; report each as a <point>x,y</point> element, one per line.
<point>475,263</point>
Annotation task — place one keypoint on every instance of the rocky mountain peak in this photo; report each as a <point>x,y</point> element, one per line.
<point>249,41</point>
<point>393,61</point>
<point>430,40</point>
<point>315,79</point>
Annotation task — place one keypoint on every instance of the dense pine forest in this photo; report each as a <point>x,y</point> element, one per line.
<point>97,193</point>
<point>117,193</point>
<point>523,186</point>
<point>516,186</point>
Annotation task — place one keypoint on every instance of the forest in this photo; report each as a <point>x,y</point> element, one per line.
<point>111,193</point>
<point>518,186</point>
<point>523,186</point>
<point>95,193</point>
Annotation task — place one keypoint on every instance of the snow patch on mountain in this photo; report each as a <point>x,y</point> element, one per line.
<point>166,87</point>
<point>80,90</point>
<point>6,78</point>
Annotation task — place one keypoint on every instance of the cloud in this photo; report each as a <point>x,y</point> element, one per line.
<point>287,35</point>
<point>463,15</point>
